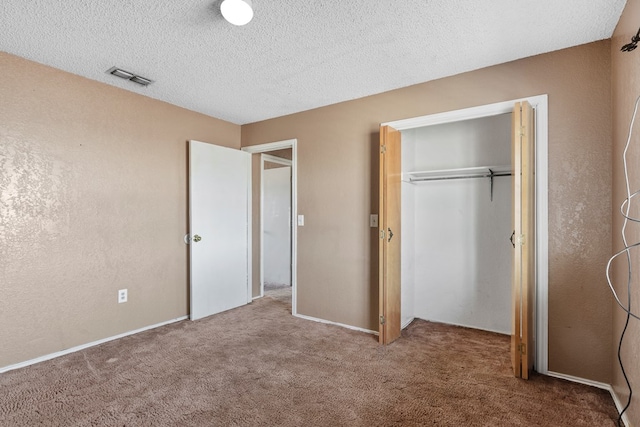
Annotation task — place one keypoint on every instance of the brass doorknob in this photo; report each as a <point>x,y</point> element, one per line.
<point>196,238</point>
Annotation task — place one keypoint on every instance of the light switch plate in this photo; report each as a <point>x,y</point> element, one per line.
<point>300,220</point>
<point>373,220</point>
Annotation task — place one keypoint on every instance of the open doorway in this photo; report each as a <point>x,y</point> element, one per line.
<point>273,228</point>
<point>275,225</point>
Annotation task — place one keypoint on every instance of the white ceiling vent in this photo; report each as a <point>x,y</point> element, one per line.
<point>118,72</point>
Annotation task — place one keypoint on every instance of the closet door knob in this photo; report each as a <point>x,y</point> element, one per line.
<point>390,234</point>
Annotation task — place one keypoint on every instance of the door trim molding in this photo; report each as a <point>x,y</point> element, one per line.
<point>273,146</point>
<point>277,160</point>
<point>261,224</point>
<point>540,105</point>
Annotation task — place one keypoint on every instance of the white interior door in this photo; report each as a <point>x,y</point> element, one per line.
<point>277,226</point>
<point>219,209</point>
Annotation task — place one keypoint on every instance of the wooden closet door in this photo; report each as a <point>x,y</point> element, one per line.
<point>523,289</point>
<point>389,234</point>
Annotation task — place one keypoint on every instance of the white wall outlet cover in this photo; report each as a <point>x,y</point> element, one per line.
<point>301,220</point>
<point>122,296</point>
<point>373,220</point>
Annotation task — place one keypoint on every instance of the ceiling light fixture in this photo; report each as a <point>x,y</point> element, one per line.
<point>237,12</point>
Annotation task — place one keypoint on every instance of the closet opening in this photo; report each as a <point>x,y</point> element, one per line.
<point>456,211</point>
<point>456,263</point>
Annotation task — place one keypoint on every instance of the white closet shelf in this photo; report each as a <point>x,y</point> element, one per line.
<point>460,173</point>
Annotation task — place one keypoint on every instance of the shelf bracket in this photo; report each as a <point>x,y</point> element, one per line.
<point>491,183</point>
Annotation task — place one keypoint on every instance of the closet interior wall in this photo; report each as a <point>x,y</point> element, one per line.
<point>456,254</point>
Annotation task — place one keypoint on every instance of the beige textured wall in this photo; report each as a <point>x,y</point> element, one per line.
<point>93,198</point>
<point>336,179</point>
<point>626,88</point>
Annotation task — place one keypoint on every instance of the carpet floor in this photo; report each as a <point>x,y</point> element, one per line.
<point>259,366</point>
<point>281,293</point>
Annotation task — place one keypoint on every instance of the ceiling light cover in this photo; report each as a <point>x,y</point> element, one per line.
<point>237,12</point>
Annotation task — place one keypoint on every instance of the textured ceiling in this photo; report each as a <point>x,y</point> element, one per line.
<point>295,55</point>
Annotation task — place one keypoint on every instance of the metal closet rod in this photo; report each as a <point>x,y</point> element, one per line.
<point>440,178</point>
<point>489,175</point>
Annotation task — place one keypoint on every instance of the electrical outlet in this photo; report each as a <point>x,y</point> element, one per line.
<point>122,296</point>
<point>373,220</point>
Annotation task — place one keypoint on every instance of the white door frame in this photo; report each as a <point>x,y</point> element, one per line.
<point>273,146</point>
<point>284,162</point>
<point>540,105</point>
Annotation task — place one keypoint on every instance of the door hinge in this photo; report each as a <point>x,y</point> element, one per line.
<point>522,129</point>
<point>383,149</point>
<point>382,320</point>
<point>382,234</point>
<point>522,348</point>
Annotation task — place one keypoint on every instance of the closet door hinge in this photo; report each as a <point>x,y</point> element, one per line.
<point>382,320</point>
<point>522,348</point>
<point>383,149</point>
<point>522,131</point>
<point>382,234</point>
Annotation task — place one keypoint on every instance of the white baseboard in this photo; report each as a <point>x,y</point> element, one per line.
<point>407,323</point>
<point>597,384</point>
<point>329,322</point>
<point>462,325</point>
<point>579,380</point>
<point>83,346</point>
<point>619,407</point>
